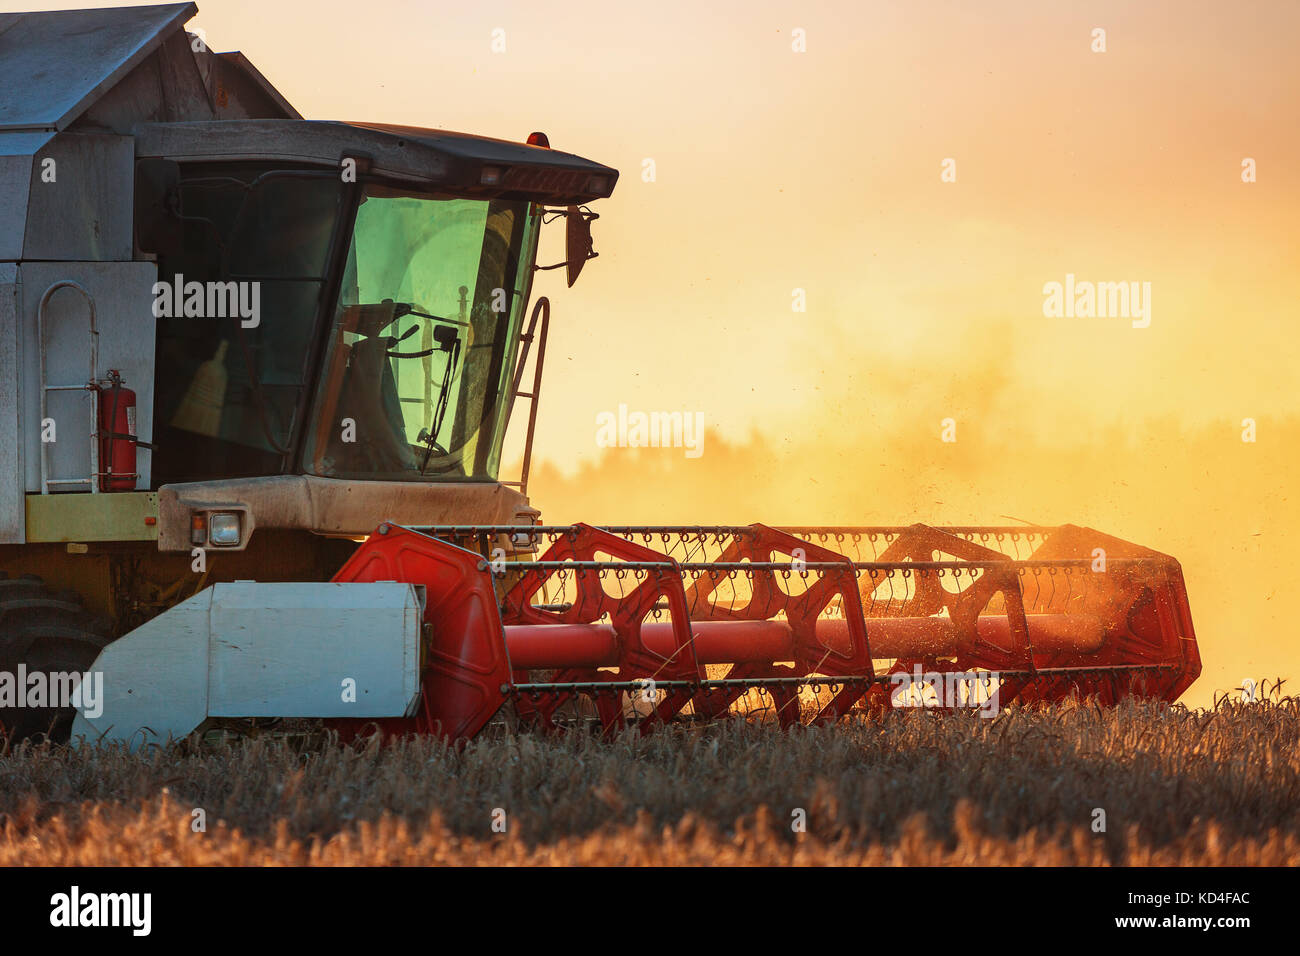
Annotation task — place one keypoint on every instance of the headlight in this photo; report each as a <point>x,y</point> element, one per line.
<point>223,528</point>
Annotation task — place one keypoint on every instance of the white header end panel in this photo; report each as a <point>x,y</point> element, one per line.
<point>295,649</point>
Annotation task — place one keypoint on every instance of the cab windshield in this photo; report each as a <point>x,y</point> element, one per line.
<point>415,384</point>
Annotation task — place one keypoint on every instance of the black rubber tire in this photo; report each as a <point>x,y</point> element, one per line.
<point>47,631</point>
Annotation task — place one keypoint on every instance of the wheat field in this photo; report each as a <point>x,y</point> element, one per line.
<point>1176,786</point>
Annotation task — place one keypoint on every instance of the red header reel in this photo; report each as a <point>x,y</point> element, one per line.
<point>648,624</point>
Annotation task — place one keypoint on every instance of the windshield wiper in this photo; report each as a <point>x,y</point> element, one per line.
<point>449,342</point>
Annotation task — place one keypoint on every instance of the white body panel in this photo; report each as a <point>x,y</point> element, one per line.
<point>123,293</point>
<point>261,650</point>
<point>79,204</point>
<point>13,517</point>
<point>15,177</point>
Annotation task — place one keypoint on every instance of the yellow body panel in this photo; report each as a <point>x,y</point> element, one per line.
<point>119,516</point>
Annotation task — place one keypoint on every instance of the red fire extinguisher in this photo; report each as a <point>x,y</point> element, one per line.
<point>117,439</point>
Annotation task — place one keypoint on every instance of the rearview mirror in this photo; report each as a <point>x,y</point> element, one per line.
<point>577,239</point>
<point>577,243</point>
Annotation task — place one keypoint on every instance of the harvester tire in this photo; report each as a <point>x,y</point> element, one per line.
<point>46,631</point>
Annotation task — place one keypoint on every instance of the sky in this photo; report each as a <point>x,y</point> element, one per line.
<point>914,174</point>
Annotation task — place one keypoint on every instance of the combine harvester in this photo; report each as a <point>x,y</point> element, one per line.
<point>255,376</point>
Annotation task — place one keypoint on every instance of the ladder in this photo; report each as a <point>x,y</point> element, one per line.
<point>542,308</point>
<point>90,385</point>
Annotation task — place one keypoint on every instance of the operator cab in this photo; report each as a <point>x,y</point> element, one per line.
<point>345,301</point>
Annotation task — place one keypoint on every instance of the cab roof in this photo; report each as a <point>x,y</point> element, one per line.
<point>430,158</point>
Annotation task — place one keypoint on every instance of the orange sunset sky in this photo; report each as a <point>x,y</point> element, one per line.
<point>778,170</point>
